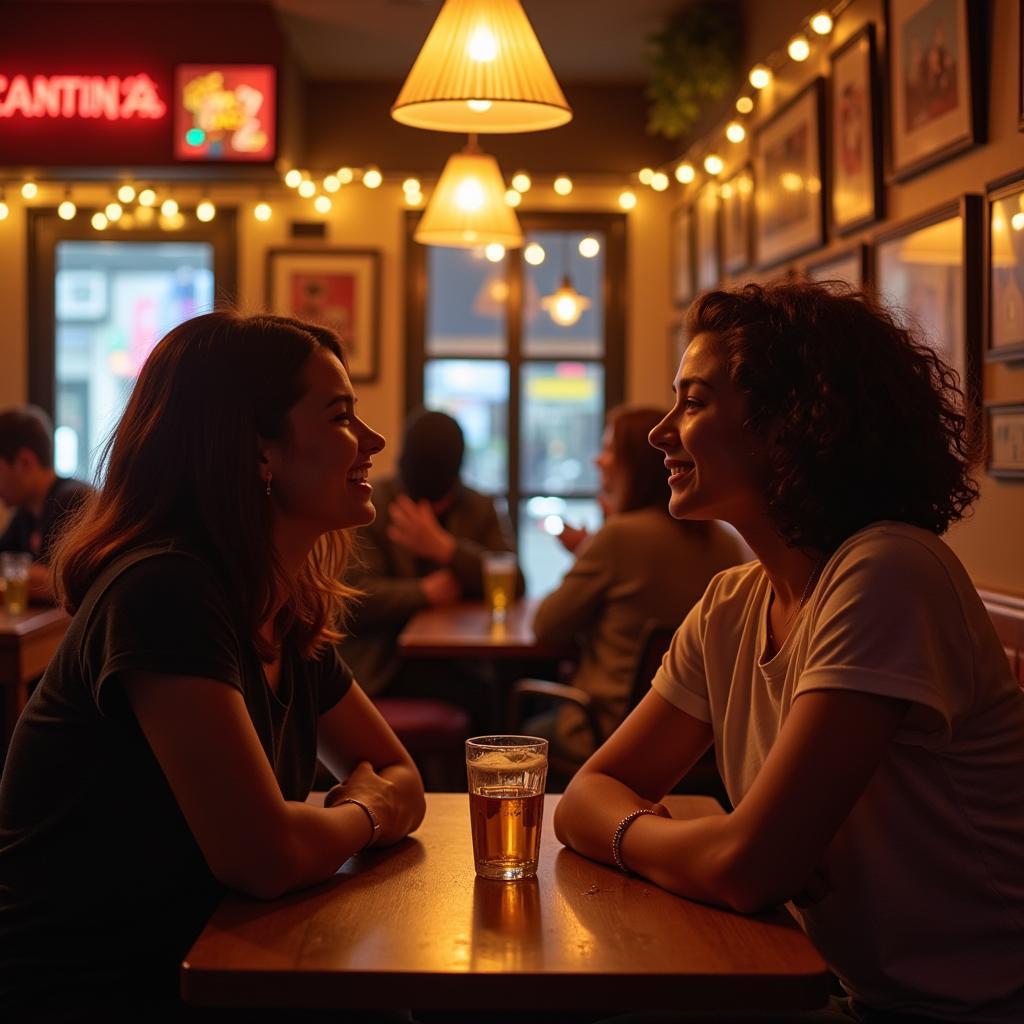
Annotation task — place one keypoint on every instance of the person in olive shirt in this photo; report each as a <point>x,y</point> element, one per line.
<point>425,548</point>
<point>168,751</point>
<point>41,500</point>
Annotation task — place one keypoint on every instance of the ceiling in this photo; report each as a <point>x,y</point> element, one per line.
<point>585,40</point>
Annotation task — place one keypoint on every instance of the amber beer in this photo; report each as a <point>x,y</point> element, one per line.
<point>506,803</point>
<point>499,582</point>
<point>14,570</point>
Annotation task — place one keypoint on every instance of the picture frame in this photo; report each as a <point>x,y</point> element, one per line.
<point>855,135</point>
<point>936,84</point>
<point>850,265</point>
<point>681,262</point>
<point>1005,436</point>
<point>338,288</point>
<point>930,267</point>
<point>1004,262</point>
<point>706,240</point>
<point>737,205</point>
<point>788,170</point>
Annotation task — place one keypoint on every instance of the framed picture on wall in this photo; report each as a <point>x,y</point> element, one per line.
<point>936,84</point>
<point>856,133</point>
<point>339,288</point>
<point>1005,440</point>
<point>929,269</point>
<point>736,197</point>
<point>682,256</point>
<point>849,266</point>
<point>706,237</point>
<point>789,199</point>
<point>1004,292</point>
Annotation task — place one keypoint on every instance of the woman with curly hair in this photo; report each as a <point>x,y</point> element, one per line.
<point>866,723</point>
<point>168,751</point>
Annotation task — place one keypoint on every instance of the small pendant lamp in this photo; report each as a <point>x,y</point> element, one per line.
<point>565,305</point>
<point>481,69</point>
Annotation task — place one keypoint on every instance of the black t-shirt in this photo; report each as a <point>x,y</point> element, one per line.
<point>102,885</point>
<point>26,532</point>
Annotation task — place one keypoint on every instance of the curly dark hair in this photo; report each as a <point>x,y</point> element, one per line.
<point>865,421</point>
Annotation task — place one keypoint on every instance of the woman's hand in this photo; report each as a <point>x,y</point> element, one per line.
<point>378,793</point>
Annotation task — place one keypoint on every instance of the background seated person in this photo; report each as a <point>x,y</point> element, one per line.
<point>642,565</point>
<point>424,548</point>
<point>866,722</point>
<point>41,500</point>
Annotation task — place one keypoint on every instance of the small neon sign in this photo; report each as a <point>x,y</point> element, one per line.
<point>109,97</point>
<point>224,112</point>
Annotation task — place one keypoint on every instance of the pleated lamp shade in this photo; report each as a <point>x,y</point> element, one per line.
<point>468,205</point>
<point>481,70</point>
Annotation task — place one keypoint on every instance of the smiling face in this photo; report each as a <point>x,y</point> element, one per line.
<point>320,468</point>
<point>714,463</point>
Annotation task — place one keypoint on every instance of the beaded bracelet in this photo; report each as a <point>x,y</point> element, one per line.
<point>620,833</point>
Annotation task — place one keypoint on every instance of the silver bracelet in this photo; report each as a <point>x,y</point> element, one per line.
<point>374,823</point>
<point>620,833</point>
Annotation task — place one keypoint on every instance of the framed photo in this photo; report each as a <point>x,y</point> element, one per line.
<point>789,198</point>
<point>936,87</point>
<point>737,202</point>
<point>1005,440</point>
<point>930,269</point>
<point>682,256</point>
<point>1004,290</point>
<point>856,133</point>
<point>706,237</point>
<point>849,266</point>
<point>339,288</point>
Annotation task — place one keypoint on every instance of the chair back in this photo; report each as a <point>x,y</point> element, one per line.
<point>654,642</point>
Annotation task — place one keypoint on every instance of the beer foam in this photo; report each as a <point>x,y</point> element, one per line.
<point>508,761</point>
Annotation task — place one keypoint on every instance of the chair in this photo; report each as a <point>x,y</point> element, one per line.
<point>434,733</point>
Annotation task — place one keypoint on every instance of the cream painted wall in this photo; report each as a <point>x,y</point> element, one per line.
<point>371,219</point>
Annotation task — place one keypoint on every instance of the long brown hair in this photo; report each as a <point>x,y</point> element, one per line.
<point>182,464</point>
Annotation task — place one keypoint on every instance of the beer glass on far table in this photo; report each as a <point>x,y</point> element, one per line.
<point>14,568</point>
<point>499,582</point>
<point>506,803</point>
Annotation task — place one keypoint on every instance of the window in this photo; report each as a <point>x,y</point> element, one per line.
<point>529,388</point>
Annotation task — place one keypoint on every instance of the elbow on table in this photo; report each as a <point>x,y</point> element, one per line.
<point>747,884</point>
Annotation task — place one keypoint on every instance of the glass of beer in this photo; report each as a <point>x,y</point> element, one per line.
<point>499,582</point>
<point>506,803</point>
<point>14,569</point>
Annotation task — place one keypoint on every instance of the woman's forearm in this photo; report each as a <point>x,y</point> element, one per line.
<point>411,803</point>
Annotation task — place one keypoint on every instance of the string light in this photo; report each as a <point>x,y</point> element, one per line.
<point>589,247</point>
<point>372,177</point>
<point>735,132</point>
<point>414,198</point>
<point>126,193</point>
<point>262,211</point>
<point>760,76</point>
<point>147,197</point>
<point>169,207</point>
<point>745,104</point>
<point>495,252</point>
<point>521,181</point>
<point>29,190</point>
<point>322,204</point>
<point>659,181</point>
<point>332,183</point>
<point>822,23</point>
<point>5,210</point>
<point>685,173</point>
<point>627,200</point>
<point>513,198</point>
<point>67,210</point>
<point>713,164</point>
<point>206,211</point>
<point>645,175</point>
<point>99,221</point>
<point>534,254</point>
<point>411,185</point>
<point>345,175</point>
<point>307,189</point>
<point>114,211</point>
<point>293,178</point>
<point>563,185</point>
<point>799,49</point>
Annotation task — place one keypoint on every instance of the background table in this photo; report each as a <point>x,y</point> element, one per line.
<point>413,926</point>
<point>466,631</point>
<point>27,643</point>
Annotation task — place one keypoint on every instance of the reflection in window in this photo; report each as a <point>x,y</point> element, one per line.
<point>466,303</point>
<point>543,559</point>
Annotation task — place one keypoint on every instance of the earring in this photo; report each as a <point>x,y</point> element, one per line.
<point>269,478</point>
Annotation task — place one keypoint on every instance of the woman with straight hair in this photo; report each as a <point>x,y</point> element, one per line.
<point>167,753</point>
<point>865,720</point>
<point>641,567</point>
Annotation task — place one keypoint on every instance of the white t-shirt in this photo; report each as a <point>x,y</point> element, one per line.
<point>927,912</point>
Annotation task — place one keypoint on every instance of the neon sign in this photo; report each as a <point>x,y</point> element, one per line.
<point>109,97</point>
<point>224,112</point>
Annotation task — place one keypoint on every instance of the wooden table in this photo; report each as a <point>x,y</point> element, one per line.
<point>27,643</point>
<point>413,927</point>
<point>466,631</point>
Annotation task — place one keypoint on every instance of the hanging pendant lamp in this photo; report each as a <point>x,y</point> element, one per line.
<point>481,69</point>
<point>468,205</point>
<point>565,305</point>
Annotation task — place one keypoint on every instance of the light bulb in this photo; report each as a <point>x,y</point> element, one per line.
<point>799,49</point>
<point>411,185</point>
<point>645,175</point>
<point>372,177</point>
<point>345,175</point>
<point>29,190</point>
<point>822,23</point>
<point>563,185</point>
<point>735,132</point>
<point>5,210</point>
<point>479,106</point>
<point>495,252</point>
<point>206,211</point>
<point>262,211</point>
<point>659,181</point>
<point>67,210</point>
<point>744,104</point>
<point>293,178</point>
<point>147,197</point>
<point>414,198</point>
<point>322,204</point>
<point>126,193</point>
<point>521,181</point>
<point>481,45</point>
<point>307,189</point>
<point>534,254</point>
<point>627,200</point>
<point>113,211</point>
<point>332,183</point>
<point>169,207</point>
<point>513,198</point>
<point>1017,222</point>
<point>760,76</point>
<point>589,247</point>
<point>713,164</point>
<point>469,195</point>
<point>685,173</point>
<point>99,221</point>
